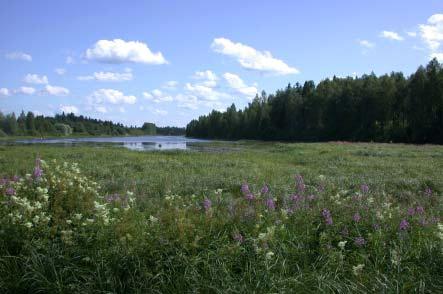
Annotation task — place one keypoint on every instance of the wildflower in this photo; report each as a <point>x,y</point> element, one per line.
<point>428,192</point>
<point>238,237</point>
<point>78,216</point>
<point>411,211</point>
<point>358,269</point>
<point>404,225</point>
<point>356,217</point>
<point>28,225</point>
<point>312,197</point>
<point>420,210</point>
<point>245,188</point>
<point>10,191</point>
<point>153,219</point>
<point>395,257</point>
<point>249,196</point>
<point>342,244</point>
<point>269,255</point>
<point>327,216</point>
<point>300,183</point>
<point>364,188</point>
<point>207,204</point>
<point>265,189</point>
<point>270,204</point>
<point>376,226</point>
<point>359,241</point>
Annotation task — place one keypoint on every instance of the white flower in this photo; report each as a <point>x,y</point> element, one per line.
<point>28,225</point>
<point>269,255</point>
<point>115,209</point>
<point>342,244</point>
<point>357,269</point>
<point>153,219</point>
<point>78,216</point>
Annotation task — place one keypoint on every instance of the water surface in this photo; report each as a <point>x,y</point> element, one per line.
<point>142,143</point>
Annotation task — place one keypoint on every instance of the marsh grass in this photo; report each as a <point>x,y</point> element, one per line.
<point>194,230</point>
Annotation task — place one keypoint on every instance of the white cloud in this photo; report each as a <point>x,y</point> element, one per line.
<point>35,79</point>
<point>204,92</point>
<point>4,92</point>
<point>432,34</point>
<point>110,96</point>
<point>69,109</point>
<point>170,85</point>
<point>120,51</point>
<point>250,58</point>
<point>107,77</point>
<point>25,90</point>
<point>60,71</point>
<point>391,35</point>
<point>160,112</point>
<point>101,109</point>
<point>207,78</point>
<point>412,34</point>
<point>55,90</point>
<point>236,83</point>
<point>18,56</point>
<point>157,96</point>
<point>366,43</point>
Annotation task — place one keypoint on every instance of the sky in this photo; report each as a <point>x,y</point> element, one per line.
<point>169,62</point>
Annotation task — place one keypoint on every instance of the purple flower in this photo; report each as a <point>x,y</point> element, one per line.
<point>376,226</point>
<point>364,188</point>
<point>327,216</point>
<point>411,211</point>
<point>344,232</point>
<point>207,204</point>
<point>356,217</point>
<point>10,191</point>
<point>420,209</point>
<point>245,188</point>
<point>300,183</point>
<point>249,196</point>
<point>265,189</point>
<point>3,181</point>
<point>238,237</point>
<point>38,172</point>
<point>312,197</point>
<point>428,192</point>
<point>359,241</point>
<point>404,225</point>
<point>270,204</point>
<point>15,178</point>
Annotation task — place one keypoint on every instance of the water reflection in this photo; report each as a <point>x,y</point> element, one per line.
<point>141,143</point>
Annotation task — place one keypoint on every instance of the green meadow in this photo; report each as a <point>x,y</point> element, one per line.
<point>335,217</point>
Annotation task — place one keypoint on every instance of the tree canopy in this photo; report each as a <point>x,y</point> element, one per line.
<point>386,108</point>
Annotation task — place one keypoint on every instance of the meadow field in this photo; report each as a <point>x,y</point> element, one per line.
<point>236,217</point>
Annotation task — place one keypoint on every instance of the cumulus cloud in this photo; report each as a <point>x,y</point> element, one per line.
<point>35,79</point>
<point>121,51</point>
<point>25,90</point>
<point>432,34</point>
<point>60,71</point>
<point>236,83</point>
<point>391,35</point>
<point>110,96</point>
<point>250,58</point>
<point>107,76</point>
<point>4,92</point>
<point>157,96</point>
<point>18,56</point>
<point>206,78</point>
<point>55,90</point>
<point>366,44</point>
<point>69,109</point>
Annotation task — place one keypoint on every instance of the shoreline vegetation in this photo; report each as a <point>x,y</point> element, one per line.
<point>268,217</point>
<point>69,125</point>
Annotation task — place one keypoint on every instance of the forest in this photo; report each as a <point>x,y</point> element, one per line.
<point>28,124</point>
<point>387,108</point>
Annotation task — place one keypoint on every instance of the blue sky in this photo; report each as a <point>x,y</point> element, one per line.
<point>170,61</point>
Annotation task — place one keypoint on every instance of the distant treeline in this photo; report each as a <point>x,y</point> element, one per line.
<point>28,124</point>
<point>369,108</point>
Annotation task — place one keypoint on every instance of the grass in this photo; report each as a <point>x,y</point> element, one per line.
<point>172,244</point>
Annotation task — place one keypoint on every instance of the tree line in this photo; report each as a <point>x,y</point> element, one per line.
<point>29,124</point>
<point>367,108</point>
